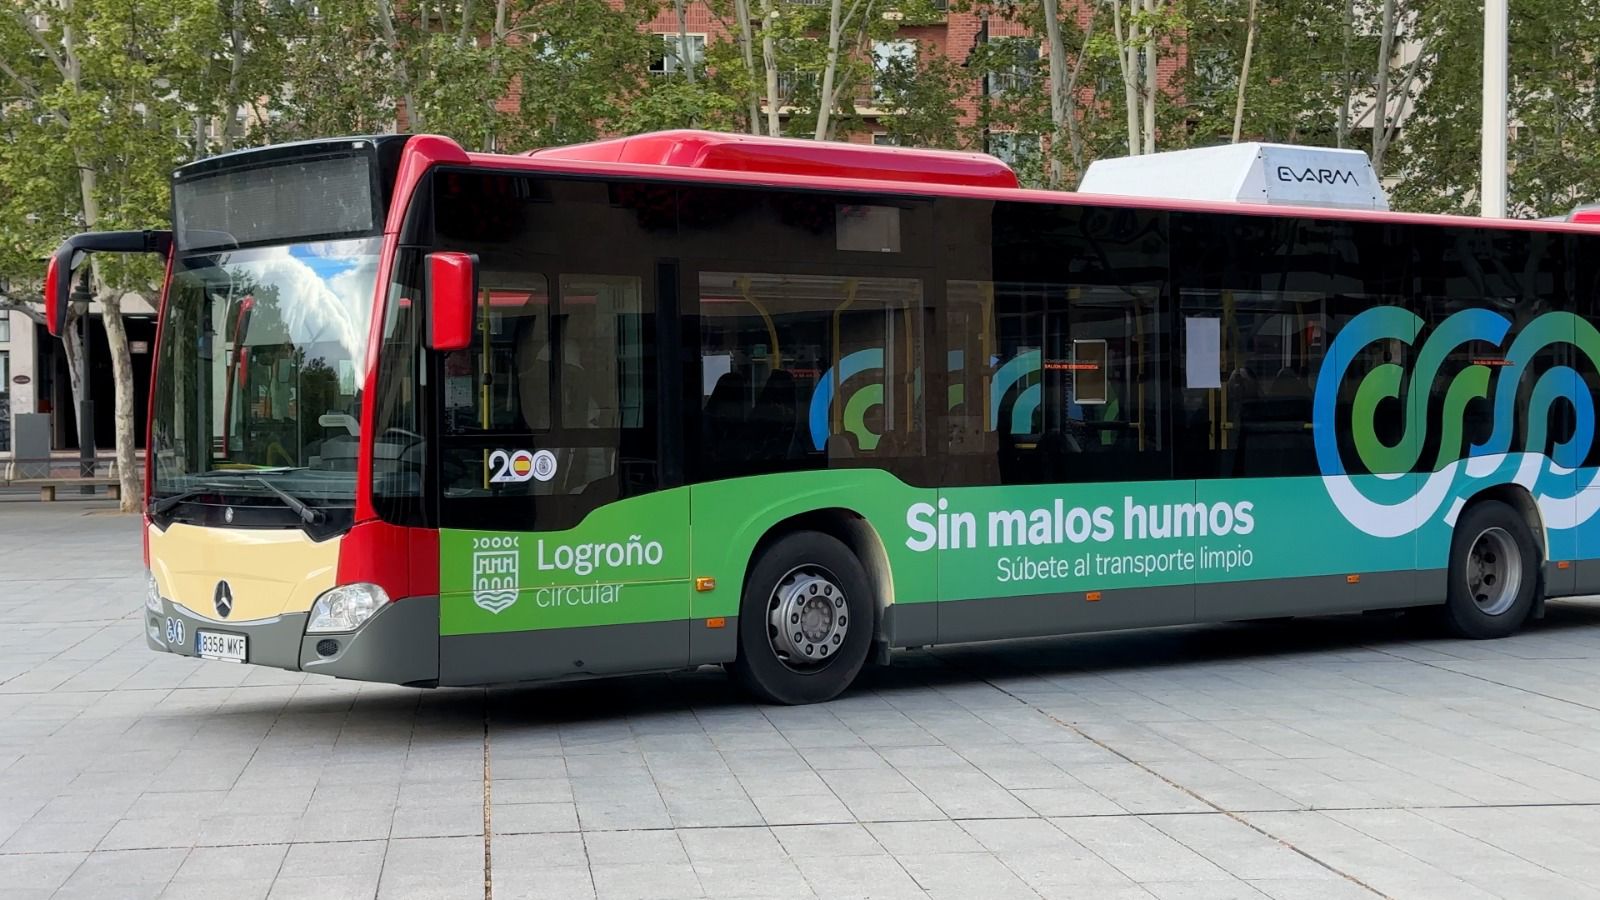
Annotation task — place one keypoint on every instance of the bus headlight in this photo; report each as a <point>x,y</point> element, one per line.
<point>345,607</point>
<point>152,593</point>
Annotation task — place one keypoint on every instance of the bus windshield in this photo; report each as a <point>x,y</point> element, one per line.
<point>260,367</point>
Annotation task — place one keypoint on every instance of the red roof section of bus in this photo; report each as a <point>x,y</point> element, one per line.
<point>787,156</point>
<point>1588,215</point>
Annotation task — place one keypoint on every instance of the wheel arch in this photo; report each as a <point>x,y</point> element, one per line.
<point>850,528</point>
<point>1520,499</point>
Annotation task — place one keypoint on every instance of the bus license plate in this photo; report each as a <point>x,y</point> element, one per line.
<point>226,647</point>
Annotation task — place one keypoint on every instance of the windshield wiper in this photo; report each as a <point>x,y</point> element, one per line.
<point>301,508</point>
<point>157,507</point>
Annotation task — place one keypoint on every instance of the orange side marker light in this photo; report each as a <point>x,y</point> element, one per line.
<point>1564,564</point>
<point>1352,579</point>
<point>705,583</point>
<point>717,622</point>
<point>1092,597</point>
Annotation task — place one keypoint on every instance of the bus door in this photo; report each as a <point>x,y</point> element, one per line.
<point>567,552</point>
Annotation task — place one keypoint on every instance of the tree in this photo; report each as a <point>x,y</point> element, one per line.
<point>1138,28</point>
<point>1554,148</point>
<point>97,117</point>
<point>921,92</point>
<point>321,69</point>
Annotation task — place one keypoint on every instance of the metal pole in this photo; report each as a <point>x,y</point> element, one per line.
<point>1496,17</point>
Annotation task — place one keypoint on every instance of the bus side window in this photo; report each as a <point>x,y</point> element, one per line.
<point>808,371</point>
<point>1057,382</point>
<point>1279,291</point>
<point>1269,348</point>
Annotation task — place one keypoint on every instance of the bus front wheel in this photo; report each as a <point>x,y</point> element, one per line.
<point>805,620</point>
<point>1494,572</point>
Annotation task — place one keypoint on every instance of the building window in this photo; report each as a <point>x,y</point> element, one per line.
<point>885,139</point>
<point>669,59</point>
<point>794,83</point>
<point>5,328</point>
<point>891,59</point>
<point>1017,64</point>
<point>1014,149</point>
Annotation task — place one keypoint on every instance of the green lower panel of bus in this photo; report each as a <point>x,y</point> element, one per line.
<point>638,560</point>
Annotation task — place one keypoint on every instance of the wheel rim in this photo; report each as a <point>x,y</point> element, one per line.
<point>1494,571</point>
<point>807,618</point>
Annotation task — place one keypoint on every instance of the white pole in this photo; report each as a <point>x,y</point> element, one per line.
<point>1493,185</point>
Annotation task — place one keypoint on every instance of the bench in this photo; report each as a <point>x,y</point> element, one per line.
<point>47,486</point>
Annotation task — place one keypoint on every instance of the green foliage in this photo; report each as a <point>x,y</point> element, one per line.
<point>96,115</point>
<point>674,102</point>
<point>922,92</point>
<point>580,63</point>
<point>1554,148</point>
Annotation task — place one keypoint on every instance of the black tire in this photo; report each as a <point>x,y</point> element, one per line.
<point>804,562</point>
<point>1492,547</point>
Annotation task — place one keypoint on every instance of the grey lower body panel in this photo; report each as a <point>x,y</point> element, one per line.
<point>398,645</point>
<point>1038,615</point>
<point>713,646</point>
<point>470,659</point>
<point>1313,595</point>
<point>269,642</point>
<point>911,624</point>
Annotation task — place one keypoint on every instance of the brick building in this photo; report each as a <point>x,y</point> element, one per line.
<point>954,37</point>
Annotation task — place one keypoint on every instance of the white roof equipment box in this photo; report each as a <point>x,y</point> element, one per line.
<point>1274,174</point>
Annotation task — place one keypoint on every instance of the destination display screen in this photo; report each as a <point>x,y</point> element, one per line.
<point>329,196</point>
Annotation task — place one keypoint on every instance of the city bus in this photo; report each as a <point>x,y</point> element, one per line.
<point>435,417</point>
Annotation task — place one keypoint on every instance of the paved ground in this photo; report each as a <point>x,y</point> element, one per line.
<point>1327,758</point>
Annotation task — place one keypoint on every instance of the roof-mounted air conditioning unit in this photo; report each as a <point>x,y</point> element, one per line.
<point>1274,174</point>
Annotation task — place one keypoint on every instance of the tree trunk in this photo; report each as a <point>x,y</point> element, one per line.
<point>73,348</point>
<point>1151,82</point>
<point>1057,64</point>
<point>121,363</point>
<point>496,40</point>
<point>386,23</point>
<point>1074,128</point>
<point>230,100</point>
<point>830,71</point>
<point>1346,79</point>
<point>1380,109</point>
<point>465,33</point>
<point>122,378</point>
<point>685,58</point>
<point>769,58</point>
<point>1127,61</point>
<point>1244,71</point>
<point>741,10</point>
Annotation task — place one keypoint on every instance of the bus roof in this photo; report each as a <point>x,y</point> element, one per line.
<point>822,159</point>
<point>747,160</point>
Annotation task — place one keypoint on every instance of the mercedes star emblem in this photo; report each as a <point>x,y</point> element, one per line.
<point>227,515</point>
<point>223,599</point>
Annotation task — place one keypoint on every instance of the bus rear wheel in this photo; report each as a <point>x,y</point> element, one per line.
<point>1494,572</point>
<point>805,620</point>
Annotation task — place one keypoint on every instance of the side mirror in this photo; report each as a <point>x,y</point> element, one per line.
<point>74,250</point>
<point>452,298</point>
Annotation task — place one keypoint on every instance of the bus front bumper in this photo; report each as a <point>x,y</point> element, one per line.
<point>399,644</point>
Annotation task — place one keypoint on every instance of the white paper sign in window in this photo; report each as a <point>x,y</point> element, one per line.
<point>1202,362</point>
